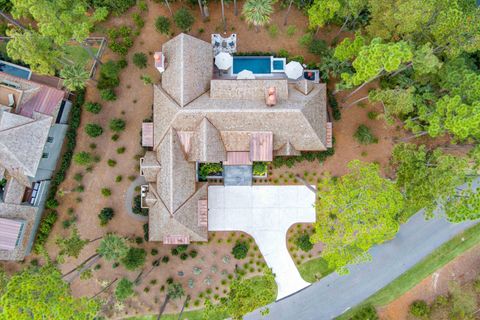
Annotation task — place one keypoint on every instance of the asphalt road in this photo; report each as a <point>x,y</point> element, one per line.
<point>335,294</point>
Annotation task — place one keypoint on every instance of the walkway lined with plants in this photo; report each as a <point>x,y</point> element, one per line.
<point>336,294</point>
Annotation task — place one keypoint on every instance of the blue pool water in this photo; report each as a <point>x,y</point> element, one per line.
<point>258,65</point>
<point>278,65</point>
<point>14,70</point>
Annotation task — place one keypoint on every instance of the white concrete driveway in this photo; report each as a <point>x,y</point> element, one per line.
<point>266,213</point>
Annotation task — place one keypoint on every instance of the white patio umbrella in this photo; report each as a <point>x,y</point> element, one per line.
<point>245,74</point>
<point>223,61</point>
<point>294,70</point>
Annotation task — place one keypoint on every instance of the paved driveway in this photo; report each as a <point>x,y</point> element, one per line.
<point>266,213</point>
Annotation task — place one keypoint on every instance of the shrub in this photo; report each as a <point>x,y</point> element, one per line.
<point>332,101</point>
<point>240,250</point>
<point>109,75</point>
<point>83,158</point>
<point>115,138</point>
<point>291,30</point>
<point>140,60</point>
<point>208,169</point>
<point>305,40</point>
<point>78,177</point>
<point>93,130</point>
<point>184,19</point>
<point>93,107</point>
<point>111,163</point>
<point>298,58</point>
<point>121,150</point>
<point>165,259</point>
<point>303,242</point>
<point>260,169</point>
<point>162,24</point>
<point>116,6</point>
<point>282,53</point>
<point>45,228</point>
<point>364,136</point>
<point>372,115</point>
<point>105,216</point>
<point>318,47</point>
<point>108,94</point>
<point>146,79</point>
<point>419,308</point>
<point>365,313</point>
<point>182,248</point>
<point>124,289</point>
<point>117,125</point>
<point>51,203</point>
<point>184,256</point>
<point>138,20</point>
<point>193,254</point>
<point>134,259</point>
<point>137,206</point>
<point>174,252</point>
<point>154,252</point>
<point>118,178</point>
<point>120,39</point>
<point>106,192</point>
<point>273,30</point>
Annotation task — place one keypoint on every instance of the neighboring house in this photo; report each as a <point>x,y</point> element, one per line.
<point>199,117</point>
<point>33,125</point>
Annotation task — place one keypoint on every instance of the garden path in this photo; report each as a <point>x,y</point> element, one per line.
<point>140,180</point>
<point>266,213</point>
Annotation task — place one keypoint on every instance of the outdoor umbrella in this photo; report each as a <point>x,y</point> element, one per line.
<point>223,61</point>
<point>245,74</point>
<point>294,70</point>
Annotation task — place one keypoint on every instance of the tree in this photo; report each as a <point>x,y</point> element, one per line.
<point>124,289</point>
<point>83,158</point>
<point>396,102</point>
<point>74,76</point>
<point>113,247</point>
<point>240,250</point>
<point>73,245</point>
<point>140,60</point>
<point>175,290</point>
<point>93,130</point>
<point>117,125</point>
<point>134,259</point>
<point>257,12</point>
<point>40,293</point>
<point>162,24</point>
<point>38,51</point>
<point>105,216</point>
<point>116,6</point>
<point>355,212</point>
<point>184,19</point>
<point>322,11</point>
<point>429,178</point>
<point>348,49</point>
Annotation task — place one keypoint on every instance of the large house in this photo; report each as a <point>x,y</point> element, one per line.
<point>33,121</point>
<point>201,116</point>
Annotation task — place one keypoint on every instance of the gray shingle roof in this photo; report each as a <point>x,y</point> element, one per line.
<point>207,144</point>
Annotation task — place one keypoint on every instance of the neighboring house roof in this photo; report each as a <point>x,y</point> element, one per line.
<point>189,68</point>
<point>21,144</point>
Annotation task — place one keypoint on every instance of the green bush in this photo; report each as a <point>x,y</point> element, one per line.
<point>318,47</point>
<point>305,40</point>
<point>193,254</point>
<point>183,256</point>
<point>120,39</point>
<point>182,248</point>
<point>93,107</point>
<point>108,94</point>
<point>140,60</point>
<point>291,30</point>
<point>137,206</point>
<point>240,250</point>
<point>51,203</point>
<point>183,19</point>
<point>320,156</point>
<point>165,259</point>
<point>93,130</point>
<point>273,30</point>
<point>83,158</point>
<point>116,6</point>
<point>174,251</point>
<point>364,136</point>
<point>145,231</point>
<point>111,163</point>
<point>106,192</point>
<point>134,259</point>
<point>124,289</point>
<point>45,228</point>
<point>117,125</point>
<point>207,169</point>
<point>121,150</point>
<point>282,53</point>
<point>365,313</point>
<point>298,58</point>
<point>332,101</point>
<point>105,216</point>
<point>154,252</point>
<point>260,169</point>
<point>303,242</point>
<point>419,308</point>
<point>109,75</point>
<point>138,20</point>
<point>162,24</point>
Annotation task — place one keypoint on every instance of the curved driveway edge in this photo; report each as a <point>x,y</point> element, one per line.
<point>334,294</point>
<point>266,213</point>
<point>140,180</point>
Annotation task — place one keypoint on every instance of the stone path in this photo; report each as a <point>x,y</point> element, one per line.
<point>129,199</point>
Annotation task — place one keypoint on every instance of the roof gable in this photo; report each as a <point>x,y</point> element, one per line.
<point>207,143</point>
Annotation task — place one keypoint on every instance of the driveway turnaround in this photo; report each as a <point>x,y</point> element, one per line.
<point>266,213</point>
<point>335,294</point>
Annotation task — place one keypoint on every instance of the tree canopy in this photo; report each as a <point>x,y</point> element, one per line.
<point>40,293</point>
<point>355,212</point>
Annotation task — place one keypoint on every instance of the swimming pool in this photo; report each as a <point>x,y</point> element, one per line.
<point>15,70</point>
<point>259,65</point>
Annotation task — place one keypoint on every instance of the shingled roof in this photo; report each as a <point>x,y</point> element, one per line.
<point>189,68</point>
<point>207,144</point>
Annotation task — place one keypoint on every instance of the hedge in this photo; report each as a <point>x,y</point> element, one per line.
<point>48,221</point>
<point>311,156</point>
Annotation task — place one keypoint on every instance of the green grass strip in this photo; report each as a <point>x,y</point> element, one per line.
<point>437,259</point>
<point>315,269</point>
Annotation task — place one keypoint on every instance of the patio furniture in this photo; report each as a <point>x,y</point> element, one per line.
<point>222,44</point>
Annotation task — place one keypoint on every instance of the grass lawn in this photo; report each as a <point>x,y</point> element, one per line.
<point>441,256</point>
<point>78,54</point>
<point>315,269</point>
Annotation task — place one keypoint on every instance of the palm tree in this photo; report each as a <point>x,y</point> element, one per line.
<point>113,247</point>
<point>74,77</point>
<point>257,12</point>
<point>174,291</point>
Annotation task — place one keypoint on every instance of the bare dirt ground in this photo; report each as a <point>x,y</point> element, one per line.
<point>463,269</point>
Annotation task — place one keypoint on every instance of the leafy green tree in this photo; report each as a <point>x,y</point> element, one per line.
<point>140,60</point>
<point>113,247</point>
<point>116,6</point>
<point>74,76</point>
<point>162,24</point>
<point>40,293</point>
<point>240,250</point>
<point>322,11</point>
<point>36,50</point>
<point>117,125</point>
<point>429,178</point>
<point>93,130</point>
<point>355,212</point>
<point>348,49</point>
<point>425,61</point>
<point>175,291</point>
<point>460,77</point>
<point>257,12</point>
<point>83,158</point>
<point>124,289</point>
<point>73,245</point>
<point>364,136</point>
<point>134,259</point>
<point>105,216</point>
<point>396,102</point>
<point>183,19</point>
